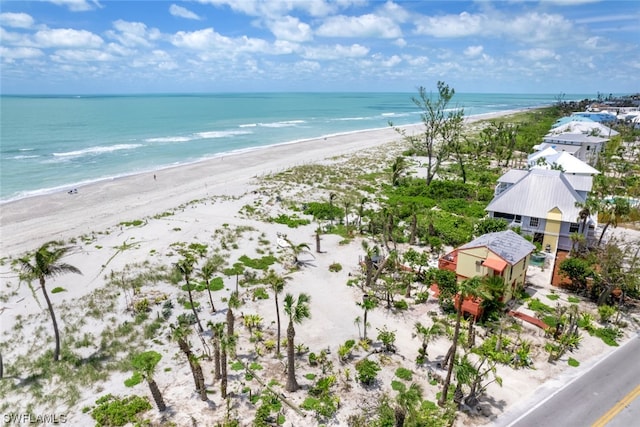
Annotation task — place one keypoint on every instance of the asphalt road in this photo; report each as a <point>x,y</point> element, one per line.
<point>608,393</point>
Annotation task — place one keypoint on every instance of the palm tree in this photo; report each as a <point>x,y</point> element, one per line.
<point>408,400</point>
<point>227,346</point>
<point>369,302</point>
<point>332,197</point>
<point>428,333</point>
<point>297,250</point>
<point>217,331</point>
<point>297,310</point>
<point>398,167</point>
<point>145,366</point>
<point>210,267</point>
<point>185,267</point>
<point>44,265</point>
<point>347,204</point>
<point>466,289</point>
<point>361,213</point>
<point>614,211</point>
<point>180,333</point>
<point>276,283</point>
<point>234,302</point>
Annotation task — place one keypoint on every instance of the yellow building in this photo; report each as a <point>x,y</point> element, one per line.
<point>505,254</point>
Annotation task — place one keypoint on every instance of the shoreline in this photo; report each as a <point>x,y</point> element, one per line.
<point>75,185</point>
<point>28,222</point>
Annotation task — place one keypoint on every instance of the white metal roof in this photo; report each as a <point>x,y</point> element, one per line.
<point>538,192</point>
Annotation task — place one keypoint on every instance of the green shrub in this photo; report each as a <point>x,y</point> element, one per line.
<point>335,267</point>
<point>401,305</point>
<point>573,300</point>
<point>57,290</point>
<point>608,335</point>
<point>398,386</point>
<point>606,312</point>
<point>262,263</point>
<point>573,362</point>
<point>260,293</point>
<point>141,306</point>
<point>553,297</point>
<point>404,374</point>
<point>540,307</point>
<point>345,350</point>
<point>291,222</point>
<point>367,371</point>
<point>115,411</point>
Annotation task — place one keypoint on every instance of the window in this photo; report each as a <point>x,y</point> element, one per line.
<point>533,222</point>
<point>574,227</point>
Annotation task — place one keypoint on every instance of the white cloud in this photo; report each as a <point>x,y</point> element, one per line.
<point>359,26</point>
<point>77,5</point>
<point>400,42</point>
<point>391,62</point>
<point>215,44</point>
<point>291,29</point>
<point>473,51</point>
<point>531,27</point>
<point>16,20</point>
<point>132,34</point>
<point>182,12</point>
<point>18,39</point>
<point>10,54</point>
<point>462,25</point>
<point>335,52</point>
<point>81,55</point>
<point>67,38</point>
<point>274,8</point>
<point>538,54</point>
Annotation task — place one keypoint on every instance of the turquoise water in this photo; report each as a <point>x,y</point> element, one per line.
<point>56,143</point>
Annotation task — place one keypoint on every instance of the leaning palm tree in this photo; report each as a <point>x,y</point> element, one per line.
<point>276,283</point>
<point>217,331</point>
<point>185,267</point>
<point>144,365</point>
<point>297,310</point>
<point>46,264</point>
<point>210,267</point>
<point>467,288</point>
<point>180,334</point>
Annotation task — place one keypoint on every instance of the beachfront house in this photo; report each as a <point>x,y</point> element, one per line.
<point>550,158</point>
<point>544,204</point>
<point>584,147</point>
<point>504,253</point>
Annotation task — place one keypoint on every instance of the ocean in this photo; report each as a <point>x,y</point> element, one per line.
<point>55,143</point>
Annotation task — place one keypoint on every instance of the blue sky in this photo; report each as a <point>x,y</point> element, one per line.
<point>90,46</point>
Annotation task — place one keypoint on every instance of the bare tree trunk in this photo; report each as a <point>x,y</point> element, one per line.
<point>157,396</point>
<point>193,308</point>
<point>292,384</point>
<point>216,358</point>
<point>223,368</point>
<point>56,353</point>
<point>278,324</point>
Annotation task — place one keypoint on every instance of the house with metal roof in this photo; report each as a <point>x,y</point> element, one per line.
<point>504,253</point>
<point>583,147</point>
<point>550,158</point>
<point>544,204</point>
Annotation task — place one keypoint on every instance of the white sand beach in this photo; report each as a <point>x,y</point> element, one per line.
<point>204,203</point>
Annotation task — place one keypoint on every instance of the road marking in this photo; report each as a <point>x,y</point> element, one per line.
<point>617,408</point>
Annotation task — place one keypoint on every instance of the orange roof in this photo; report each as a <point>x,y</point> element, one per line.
<point>495,263</point>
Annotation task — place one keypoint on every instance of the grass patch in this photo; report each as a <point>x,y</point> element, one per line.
<point>553,297</point>
<point>573,300</point>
